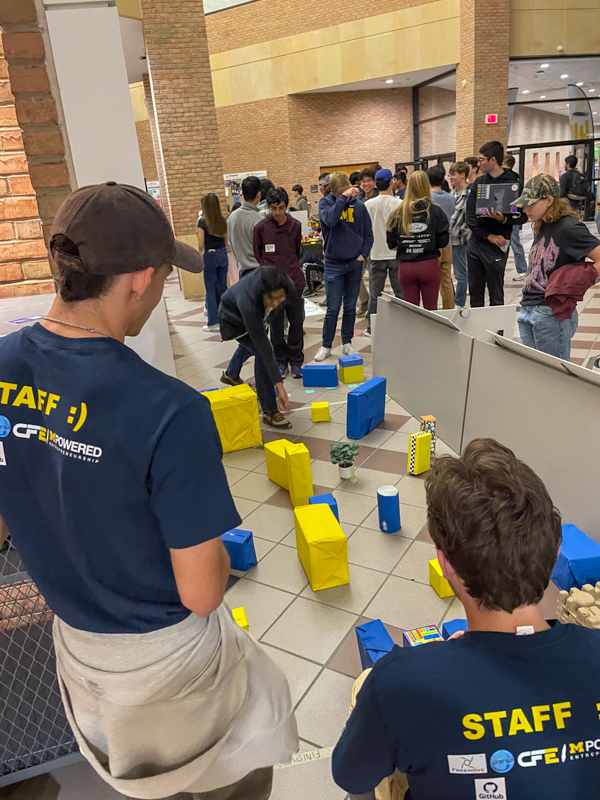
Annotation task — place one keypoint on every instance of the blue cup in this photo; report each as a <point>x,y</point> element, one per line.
<point>388,503</point>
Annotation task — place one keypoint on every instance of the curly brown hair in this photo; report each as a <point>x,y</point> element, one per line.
<point>493,519</point>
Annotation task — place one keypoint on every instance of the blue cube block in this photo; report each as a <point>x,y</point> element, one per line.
<point>351,361</point>
<point>320,375</point>
<point>326,498</point>
<point>452,626</point>
<point>374,642</point>
<point>366,408</point>
<point>578,561</point>
<point>240,546</point>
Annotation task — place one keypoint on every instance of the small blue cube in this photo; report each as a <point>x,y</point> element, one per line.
<point>366,408</point>
<point>325,375</point>
<point>351,361</point>
<point>453,626</point>
<point>240,546</point>
<point>329,499</point>
<point>578,560</point>
<point>374,642</point>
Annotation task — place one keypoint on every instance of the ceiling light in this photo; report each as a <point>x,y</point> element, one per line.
<point>542,97</point>
<point>579,84</point>
<point>525,91</point>
<point>564,76</point>
<point>389,80</point>
<point>591,90</point>
<point>544,66</point>
<point>594,113</point>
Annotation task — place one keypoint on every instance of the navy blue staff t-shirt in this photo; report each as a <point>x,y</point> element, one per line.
<point>488,716</point>
<point>105,464</point>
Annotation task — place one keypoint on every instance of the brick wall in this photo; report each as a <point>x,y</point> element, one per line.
<point>293,137</point>
<point>144,137</point>
<point>34,178</point>
<point>438,136</point>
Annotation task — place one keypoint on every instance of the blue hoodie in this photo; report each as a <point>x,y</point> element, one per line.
<point>346,227</point>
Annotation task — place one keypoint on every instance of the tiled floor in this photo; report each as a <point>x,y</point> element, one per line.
<point>311,634</point>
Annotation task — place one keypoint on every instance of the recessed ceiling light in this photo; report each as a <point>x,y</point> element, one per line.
<point>542,97</point>
<point>579,84</point>
<point>544,66</point>
<point>594,113</point>
<point>591,90</point>
<point>564,76</point>
<point>525,91</point>
<point>567,105</point>
<point>389,80</point>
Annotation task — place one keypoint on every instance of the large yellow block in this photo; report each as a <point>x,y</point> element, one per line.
<point>419,453</point>
<point>319,412</point>
<point>437,580</point>
<point>352,374</point>
<point>239,616</point>
<point>235,410</point>
<point>288,465</point>
<point>322,546</point>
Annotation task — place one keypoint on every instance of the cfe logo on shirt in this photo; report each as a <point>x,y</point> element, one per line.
<point>486,789</point>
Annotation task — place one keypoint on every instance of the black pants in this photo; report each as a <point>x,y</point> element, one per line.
<point>291,351</point>
<point>486,265</point>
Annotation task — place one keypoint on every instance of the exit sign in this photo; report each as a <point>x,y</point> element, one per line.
<point>491,119</point>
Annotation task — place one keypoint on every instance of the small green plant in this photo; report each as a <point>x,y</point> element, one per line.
<point>343,453</point>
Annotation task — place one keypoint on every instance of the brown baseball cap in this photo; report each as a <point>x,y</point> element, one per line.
<point>116,229</point>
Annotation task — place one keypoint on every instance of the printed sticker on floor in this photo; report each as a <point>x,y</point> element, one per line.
<point>307,757</point>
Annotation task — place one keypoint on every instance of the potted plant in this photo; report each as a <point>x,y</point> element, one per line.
<point>343,454</point>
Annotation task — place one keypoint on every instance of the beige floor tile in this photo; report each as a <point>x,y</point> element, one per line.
<point>325,474</point>
<point>369,480</point>
<point>392,407</point>
<point>456,610</point>
<point>310,630</point>
<point>270,522</point>
<point>398,441</point>
<point>412,519</point>
<point>412,426</point>
<point>280,568</point>
<point>331,692</point>
<point>245,507</point>
<point>263,604</point>
<point>254,487</point>
<point>353,508</point>
<point>376,550</point>
<point>234,475</point>
<point>355,596</point>
<point>376,438</point>
<point>245,459</point>
<point>407,604</point>
<point>309,781</point>
<point>327,430</point>
<point>414,564</point>
<point>299,672</point>
<point>412,491</point>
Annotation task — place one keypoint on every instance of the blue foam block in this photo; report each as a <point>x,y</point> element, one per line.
<point>320,375</point>
<point>578,561</point>
<point>351,361</point>
<point>329,499</point>
<point>452,626</point>
<point>374,642</point>
<point>240,546</point>
<point>366,408</point>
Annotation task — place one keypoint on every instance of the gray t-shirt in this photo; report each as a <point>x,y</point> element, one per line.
<point>444,200</point>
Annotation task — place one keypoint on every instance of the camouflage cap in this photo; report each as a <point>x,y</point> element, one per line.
<point>538,188</point>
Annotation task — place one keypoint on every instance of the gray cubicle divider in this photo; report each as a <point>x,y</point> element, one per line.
<point>546,411</point>
<point>426,361</point>
<point>478,322</point>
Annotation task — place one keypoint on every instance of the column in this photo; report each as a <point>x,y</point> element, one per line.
<point>160,167</point>
<point>482,74</point>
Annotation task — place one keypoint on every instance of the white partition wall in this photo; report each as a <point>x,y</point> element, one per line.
<point>86,47</point>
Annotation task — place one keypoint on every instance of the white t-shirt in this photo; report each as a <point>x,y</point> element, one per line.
<point>379,209</point>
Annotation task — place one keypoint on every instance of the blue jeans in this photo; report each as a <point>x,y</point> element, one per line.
<point>215,281</point>
<point>459,267</point>
<point>518,251</point>
<point>342,284</point>
<point>264,385</point>
<point>540,329</point>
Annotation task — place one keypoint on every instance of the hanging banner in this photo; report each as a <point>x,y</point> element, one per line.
<point>512,97</point>
<point>580,113</point>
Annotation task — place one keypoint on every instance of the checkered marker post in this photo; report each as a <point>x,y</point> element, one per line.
<point>428,425</point>
<point>419,453</point>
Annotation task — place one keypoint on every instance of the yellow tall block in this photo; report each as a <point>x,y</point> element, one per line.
<point>352,374</point>
<point>235,410</point>
<point>419,453</point>
<point>239,616</point>
<point>288,465</point>
<point>437,580</point>
<point>319,412</point>
<point>322,546</point>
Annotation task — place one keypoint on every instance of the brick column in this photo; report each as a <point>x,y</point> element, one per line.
<point>179,65</point>
<point>158,157</point>
<point>483,68</point>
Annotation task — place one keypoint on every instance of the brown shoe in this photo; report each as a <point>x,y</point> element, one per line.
<point>230,381</point>
<point>277,420</point>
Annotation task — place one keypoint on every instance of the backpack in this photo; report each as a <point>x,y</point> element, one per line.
<point>580,187</point>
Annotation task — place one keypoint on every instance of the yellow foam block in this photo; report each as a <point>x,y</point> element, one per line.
<point>276,458</point>
<point>437,580</point>
<point>299,474</point>
<point>239,616</point>
<point>320,412</point>
<point>354,374</point>
<point>419,453</point>
<point>235,410</point>
<point>322,546</point>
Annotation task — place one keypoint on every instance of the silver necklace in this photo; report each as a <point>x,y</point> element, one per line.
<point>81,327</point>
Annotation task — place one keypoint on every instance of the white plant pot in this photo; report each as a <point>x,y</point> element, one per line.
<point>346,473</point>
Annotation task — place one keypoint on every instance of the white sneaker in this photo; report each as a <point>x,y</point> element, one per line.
<point>520,276</point>
<point>323,353</point>
<point>211,328</point>
<point>348,350</point>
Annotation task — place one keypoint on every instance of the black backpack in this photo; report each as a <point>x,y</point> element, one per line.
<point>580,187</point>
